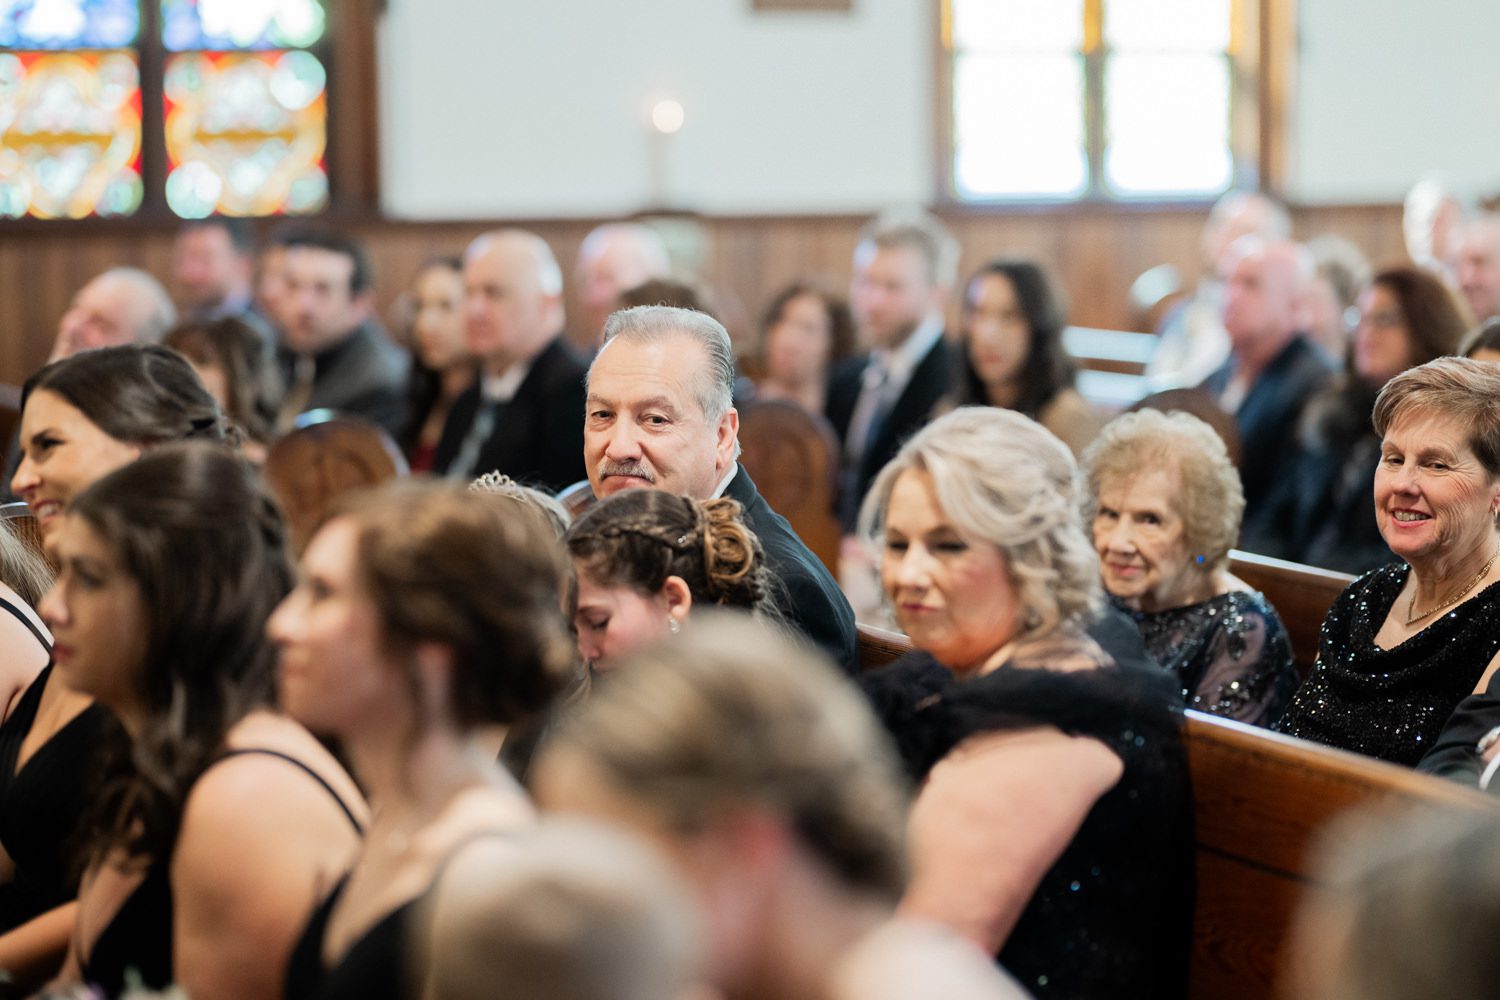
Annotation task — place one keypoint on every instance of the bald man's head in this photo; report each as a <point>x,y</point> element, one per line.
<point>1265,299</point>
<point>124,305</point>
<point>1239,214</point>
<point>615,257</point>
<point>1479,266</point>
<point>512,297</point>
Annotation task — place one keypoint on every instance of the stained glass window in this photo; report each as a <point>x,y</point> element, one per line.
<point>241,24</point>
<point>68,24</point>
<point>241,107</point>
<point>1090,98</point>
<point>245,133</point>
<point>70,134</point>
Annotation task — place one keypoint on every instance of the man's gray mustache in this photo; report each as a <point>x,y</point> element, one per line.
<point>636,470</point>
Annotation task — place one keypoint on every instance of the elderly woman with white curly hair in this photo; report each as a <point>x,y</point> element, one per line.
<point>1053,822</point>
<point>1165,503</point>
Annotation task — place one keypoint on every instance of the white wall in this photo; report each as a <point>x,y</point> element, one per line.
<point>494,108</point>
<point>1390,89</point>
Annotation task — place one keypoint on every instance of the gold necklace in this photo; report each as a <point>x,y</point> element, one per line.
<point>1412,617</point>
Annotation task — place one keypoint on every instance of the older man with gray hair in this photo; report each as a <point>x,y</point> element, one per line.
<point>660,415</point>
<point>525,415</point>
<point>124,305</point>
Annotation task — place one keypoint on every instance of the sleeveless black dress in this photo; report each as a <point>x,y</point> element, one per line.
<point>375,967</point>
<point>1392,703</point>
<point>41,805</point>
<point>1113,916</point>
<point>135,947</point>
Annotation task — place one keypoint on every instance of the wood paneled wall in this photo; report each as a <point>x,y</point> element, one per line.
<point>1094,253</point>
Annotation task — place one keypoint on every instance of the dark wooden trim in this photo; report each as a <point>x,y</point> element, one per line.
<point>353,110</point>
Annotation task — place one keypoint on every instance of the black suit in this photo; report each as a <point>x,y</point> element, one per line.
<point>930,381</point>
<point>538,435</point>
<point>1267,419</point>
<point>364,374</point>
<point>1454,754</point>
<point>809,598</point>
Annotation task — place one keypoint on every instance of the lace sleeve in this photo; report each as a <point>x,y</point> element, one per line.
<point>1248,675</point>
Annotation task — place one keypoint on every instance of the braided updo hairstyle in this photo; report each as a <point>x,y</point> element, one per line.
<point>639,538</point>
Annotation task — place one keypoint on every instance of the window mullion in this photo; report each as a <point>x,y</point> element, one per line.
<point>1094,54</point>
<point>153,126</point>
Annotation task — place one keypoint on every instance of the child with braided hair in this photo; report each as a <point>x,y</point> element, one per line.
<point>642,560</point>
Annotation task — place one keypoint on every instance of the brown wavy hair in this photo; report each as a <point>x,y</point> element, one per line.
<point>639,538</point>
<point>443,564</point>
<point>191,525</point>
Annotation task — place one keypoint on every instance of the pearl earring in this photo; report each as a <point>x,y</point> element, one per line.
<point>673,625</point>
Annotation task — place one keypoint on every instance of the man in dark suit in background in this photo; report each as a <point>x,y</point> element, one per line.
<point>1272,369</point>
<point>903,272</point>
<point>332,354</point>
<point>661,416</point>
<point>525,415</point>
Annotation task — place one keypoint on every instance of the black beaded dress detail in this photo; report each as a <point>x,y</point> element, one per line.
<point>1392,703</point>
<point>1230,655</point>
<point>1113,916</point>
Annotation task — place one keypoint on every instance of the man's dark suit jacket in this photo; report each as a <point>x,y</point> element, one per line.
<point>930,381</point>
<point>363,374</point>
<point>538,435</point>
<point>1454,754</point>
<point>809,597</point>
<point>1267,420</point>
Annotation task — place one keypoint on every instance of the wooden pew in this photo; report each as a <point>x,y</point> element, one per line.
<point>1259,801</point>
<point>1300,594</point>
<point>793,456</point>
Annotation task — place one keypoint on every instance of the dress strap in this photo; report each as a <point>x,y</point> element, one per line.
<point>266,751</point>
<point>21,616</point>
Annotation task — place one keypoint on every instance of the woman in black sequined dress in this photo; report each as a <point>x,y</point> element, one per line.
<point>1165,503</point>
<point>1406,643</point>
<point>1053,824</point>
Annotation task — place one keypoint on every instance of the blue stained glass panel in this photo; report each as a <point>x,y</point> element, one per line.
<point>68,24</point>
<point>228,25</point>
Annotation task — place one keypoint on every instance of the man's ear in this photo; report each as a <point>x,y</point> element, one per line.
<point>728,437</point>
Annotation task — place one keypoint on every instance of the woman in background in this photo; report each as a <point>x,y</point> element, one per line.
<point>232,362</point>
<point>1013,355</point>
<point>804,333</point>
<point>1320,511</point>
<point>442,367</point>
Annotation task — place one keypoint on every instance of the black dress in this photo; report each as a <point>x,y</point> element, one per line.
<point>41,805</point>
<point>1392,703</point>
<point>1113,916</point>
<point>1229,653</point>
<point>374,967</point>
<point>136,944</point>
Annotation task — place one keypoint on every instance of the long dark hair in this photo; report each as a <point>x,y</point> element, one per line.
<point>1341,413</point>
<point>192,527</point>
<point>231,345</point>
<point>424,385</point>
<point>143,395</point>
<point>1048,368</point>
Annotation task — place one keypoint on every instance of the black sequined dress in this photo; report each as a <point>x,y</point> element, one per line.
<point>1230,655</point>
<point>1113,916</point>
<point>1392,703</point>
